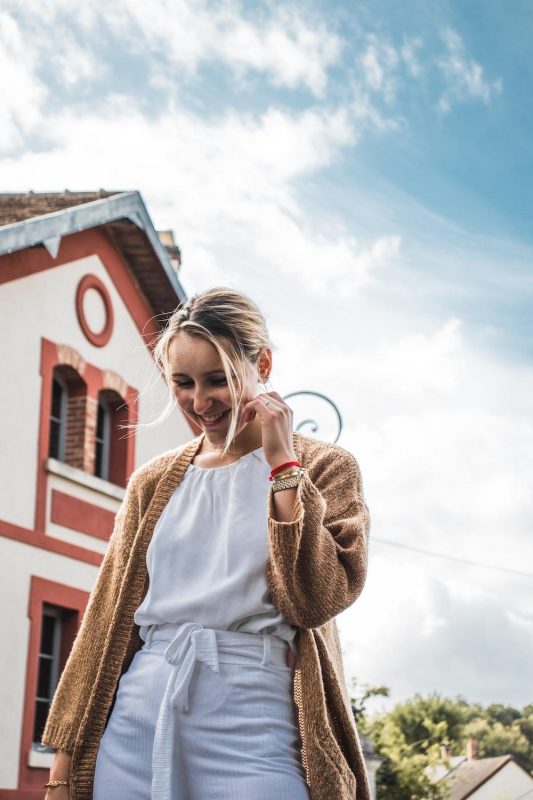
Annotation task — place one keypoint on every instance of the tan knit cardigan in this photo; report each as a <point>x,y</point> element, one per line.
<point>317,567</point>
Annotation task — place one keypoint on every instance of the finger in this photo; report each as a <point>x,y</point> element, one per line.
<point>278,404</point>
<point>274,401</point>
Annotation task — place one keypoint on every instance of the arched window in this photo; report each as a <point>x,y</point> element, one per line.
<point>67,417</point>
<point>110,442</point>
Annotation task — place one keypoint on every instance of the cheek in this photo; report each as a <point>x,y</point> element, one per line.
<point>179,397</point>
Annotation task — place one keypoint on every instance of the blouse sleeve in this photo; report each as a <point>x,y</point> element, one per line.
<point>78,676</point>
<point>318,561</point>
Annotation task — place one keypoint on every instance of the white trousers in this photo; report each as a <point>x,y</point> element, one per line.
<point>203,714</point>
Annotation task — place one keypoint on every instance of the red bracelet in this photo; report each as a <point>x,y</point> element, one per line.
<point>282,467</point>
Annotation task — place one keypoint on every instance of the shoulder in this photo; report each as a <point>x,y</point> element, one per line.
<point>146,477</point>
<point>329,464</point>
<point>316,452</point>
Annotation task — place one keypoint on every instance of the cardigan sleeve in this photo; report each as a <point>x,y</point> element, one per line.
<point>318,561</point>
<point>80,671</point>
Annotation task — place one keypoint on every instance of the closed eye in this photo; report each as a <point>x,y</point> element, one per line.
<point>219,382</point>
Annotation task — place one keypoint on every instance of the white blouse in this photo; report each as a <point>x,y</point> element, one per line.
<point>206,559</point>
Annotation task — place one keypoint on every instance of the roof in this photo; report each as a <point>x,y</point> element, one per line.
<point>42,219</point>
<point>466,775</point>
<point>17,207</point>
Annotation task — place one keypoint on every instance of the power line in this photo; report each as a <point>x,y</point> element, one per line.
<point>530,791</point>
<point>451,558</point>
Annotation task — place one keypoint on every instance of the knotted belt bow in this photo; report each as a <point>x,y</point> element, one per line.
<point>191,643</point>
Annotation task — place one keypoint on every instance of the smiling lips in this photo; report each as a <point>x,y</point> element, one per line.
<point>211,420</point>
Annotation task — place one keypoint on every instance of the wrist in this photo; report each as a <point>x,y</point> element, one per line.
<point>61,766</point>
<point>282,458</point>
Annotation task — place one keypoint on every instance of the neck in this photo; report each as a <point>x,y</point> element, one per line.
<point>248,439</point>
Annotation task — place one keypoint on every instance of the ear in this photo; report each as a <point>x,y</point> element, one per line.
<point>264,362</point>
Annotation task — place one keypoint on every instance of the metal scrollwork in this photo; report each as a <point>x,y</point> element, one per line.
<point>311,422</point>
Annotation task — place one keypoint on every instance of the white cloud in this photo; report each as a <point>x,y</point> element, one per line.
<point>379,63</point>
<point>444,449</point>
<point>289,48</point>
<point>408,629</point>
<point>464,76</point>
<point>228,186</point>
<point>443,443</point>
<point>409,54</point>
<point>385,70</point>
<point>22,94</point>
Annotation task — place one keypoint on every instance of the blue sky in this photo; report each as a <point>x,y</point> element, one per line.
<point>363,171</point>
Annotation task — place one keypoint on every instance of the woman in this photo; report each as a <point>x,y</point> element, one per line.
<point>208,663</point>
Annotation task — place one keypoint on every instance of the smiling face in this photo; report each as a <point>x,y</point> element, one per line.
<point>200,386</point>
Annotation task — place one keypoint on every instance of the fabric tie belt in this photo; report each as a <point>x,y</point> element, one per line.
<point>189,643</point>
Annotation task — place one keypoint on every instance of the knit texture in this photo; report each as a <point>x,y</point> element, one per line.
<point>317,567</point>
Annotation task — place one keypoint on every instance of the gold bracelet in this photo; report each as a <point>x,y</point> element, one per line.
<point>288,474</point>
<point>53,784</point>
<point>288,483</point>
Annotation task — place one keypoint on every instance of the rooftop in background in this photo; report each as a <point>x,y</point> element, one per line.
<point>42,219</point>
<point>466,775</point>
<point>18,207</point>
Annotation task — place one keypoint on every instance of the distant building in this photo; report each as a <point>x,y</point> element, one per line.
<point>85,285</point>
<point>372,762</point>
<point>497,778</point>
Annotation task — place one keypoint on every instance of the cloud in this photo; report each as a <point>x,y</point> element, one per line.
<point>379,62</point>
<point>441,429</point>
<point>389,72</point>
<point>409,53</point>
<point>444,449</point>
<point>229,186</point>
<point>22,95</point>
<point>408,629</point>
<point>465,79</point>
<point>285,46</point>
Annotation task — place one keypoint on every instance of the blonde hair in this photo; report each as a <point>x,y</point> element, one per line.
<point>233,324</point>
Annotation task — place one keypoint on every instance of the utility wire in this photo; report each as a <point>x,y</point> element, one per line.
<point>530,791</point>
<point>450,558</point>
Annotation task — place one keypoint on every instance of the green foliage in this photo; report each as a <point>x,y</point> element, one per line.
<point>408,738</point>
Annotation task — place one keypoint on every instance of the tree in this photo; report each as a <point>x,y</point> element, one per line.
<point>408,738</point>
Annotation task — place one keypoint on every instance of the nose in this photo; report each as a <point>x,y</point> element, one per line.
<point>201,402</point>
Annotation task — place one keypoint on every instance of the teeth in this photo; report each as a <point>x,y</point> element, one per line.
<point>212,419</point>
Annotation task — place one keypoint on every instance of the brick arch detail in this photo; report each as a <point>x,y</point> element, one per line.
<point>69,356</point>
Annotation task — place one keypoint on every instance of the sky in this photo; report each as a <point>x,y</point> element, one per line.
<point>362,170</point>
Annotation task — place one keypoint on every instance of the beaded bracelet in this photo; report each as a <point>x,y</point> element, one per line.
<point>53,784</point>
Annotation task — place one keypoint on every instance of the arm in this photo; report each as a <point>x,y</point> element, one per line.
<point>318,561</point>
<point>77,678</point>
<point>59,772</point>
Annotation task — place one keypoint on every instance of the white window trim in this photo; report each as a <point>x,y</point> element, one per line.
<point>83,478</point>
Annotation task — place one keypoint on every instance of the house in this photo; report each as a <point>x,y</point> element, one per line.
<point>86,283</point>
<point>496,778</point>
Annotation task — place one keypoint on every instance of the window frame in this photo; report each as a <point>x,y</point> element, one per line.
<point>62,421</point>
<point>56,612</point>
<point>105,440</point>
